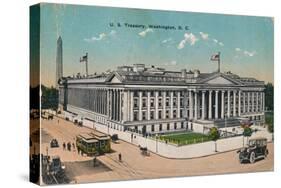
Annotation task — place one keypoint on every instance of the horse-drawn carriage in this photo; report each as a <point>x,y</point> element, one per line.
<point>144,151</point>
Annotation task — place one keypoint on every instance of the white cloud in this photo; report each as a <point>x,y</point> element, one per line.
<point>100,37</point>
<point>237,49</point>
<point>188,37</point>
<point>250,54</point>
<point>204,36</point>
<point>143,33</point>
<point>166,40</point>
<point>221,44</point>
<point>112,32</point>
<point>215,40</point>
<point>173,62</point>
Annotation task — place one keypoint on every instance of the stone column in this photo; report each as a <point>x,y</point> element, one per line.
<point>263,102</point>
<point>195,105</point>
<point>113,104</point>
<point>210,104</point>
<point>222,104</point>
<point>239,103</point>
<point>190,105</point>
<point>228,103</point>
<point>156,105</point>
<point>203,105</point>
<point>257,101</point>
<point>216,104</point>
<point>172,105</point>
<point>164,104</point>
<point>117,106</point>
<point>244,102</point>
<point>248,106</point>
<point>234,103</point>
<point>148,105</point>
<point>131,105</point>
<point>109,104</point>
<point>121,96</point>
<point>178,105</point>
<point>140,105</point>
<point>253,101</point>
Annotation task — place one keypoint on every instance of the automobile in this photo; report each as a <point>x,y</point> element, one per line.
<point>256,149</point>
<point>54,143</point>
<point>114,137</point>
<point>56,165</point>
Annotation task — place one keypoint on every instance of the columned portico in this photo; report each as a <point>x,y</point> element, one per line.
<point>203,105</point>
<point>216,104</point>
<point>210,104</point>
<point>195,106</point>
<point>228,103</point>
<point>222,104</point>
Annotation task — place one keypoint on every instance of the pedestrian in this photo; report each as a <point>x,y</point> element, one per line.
<point>120,157</point>
<point>63,145</point>
<point>94,161</point>
<point>73,146</point>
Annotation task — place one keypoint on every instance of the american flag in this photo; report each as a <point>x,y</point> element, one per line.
<point>215,57</point>
<point>84,58</point>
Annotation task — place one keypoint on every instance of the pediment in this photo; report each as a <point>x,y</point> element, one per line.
<point>220,81</point>
<point>115,79</point>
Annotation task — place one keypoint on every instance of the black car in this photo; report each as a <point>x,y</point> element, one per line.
<point>256,149</point>
<point>54,143</point>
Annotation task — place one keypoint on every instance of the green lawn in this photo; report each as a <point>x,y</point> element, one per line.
<point>185,138</point>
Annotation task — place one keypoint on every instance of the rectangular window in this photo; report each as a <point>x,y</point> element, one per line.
<point>152,94</point>
<point>174,101</point>
<point>144,115</point>
<point>152,103</point>
<point>168,126</point>
<point>182,125</point>
<point>143,103</point>
<point>144,94</point>
<point>136,103</point>
<point>167,114</point>
<point>160,102</point>
<point>152,115</point>
<point>160,94</point>
<point>136,94</point>
<point>167,102</point>
<point>160,114</point>
<point>181,115</point>
<point>174,113</point>
<point>152,128</point>
<point>135,116</point>
<point>160,127</point>
<point>175,126</point>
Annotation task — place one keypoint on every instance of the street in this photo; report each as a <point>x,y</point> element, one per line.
<point>134,165</point>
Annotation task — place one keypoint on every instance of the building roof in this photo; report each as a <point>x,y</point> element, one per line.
<point>140,74</point>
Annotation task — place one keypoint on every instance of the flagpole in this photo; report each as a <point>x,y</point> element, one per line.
<point>219,62</point>
<point>87,64</point>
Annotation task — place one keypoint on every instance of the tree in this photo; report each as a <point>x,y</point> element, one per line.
<point>214,135</point>
<point>247,132</point>
<point>269,96</point>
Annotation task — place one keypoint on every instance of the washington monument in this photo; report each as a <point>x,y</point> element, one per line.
<point>59,66</point>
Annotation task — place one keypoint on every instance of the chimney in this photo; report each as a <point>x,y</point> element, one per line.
<point>196,73</point>
<point>183,73</point>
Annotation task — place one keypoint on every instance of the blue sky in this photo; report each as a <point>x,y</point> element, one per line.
<point>245,43</point>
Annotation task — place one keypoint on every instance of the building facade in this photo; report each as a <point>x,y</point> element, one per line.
<point>154,100</point>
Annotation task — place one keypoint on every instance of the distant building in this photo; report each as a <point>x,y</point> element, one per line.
<point>154,100</point>
<point>59,66</point>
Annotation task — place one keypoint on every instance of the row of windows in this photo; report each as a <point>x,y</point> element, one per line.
<point>160,102</point>
<point>160,93</point>
<point>152,115</point>
<point>161,126</point>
